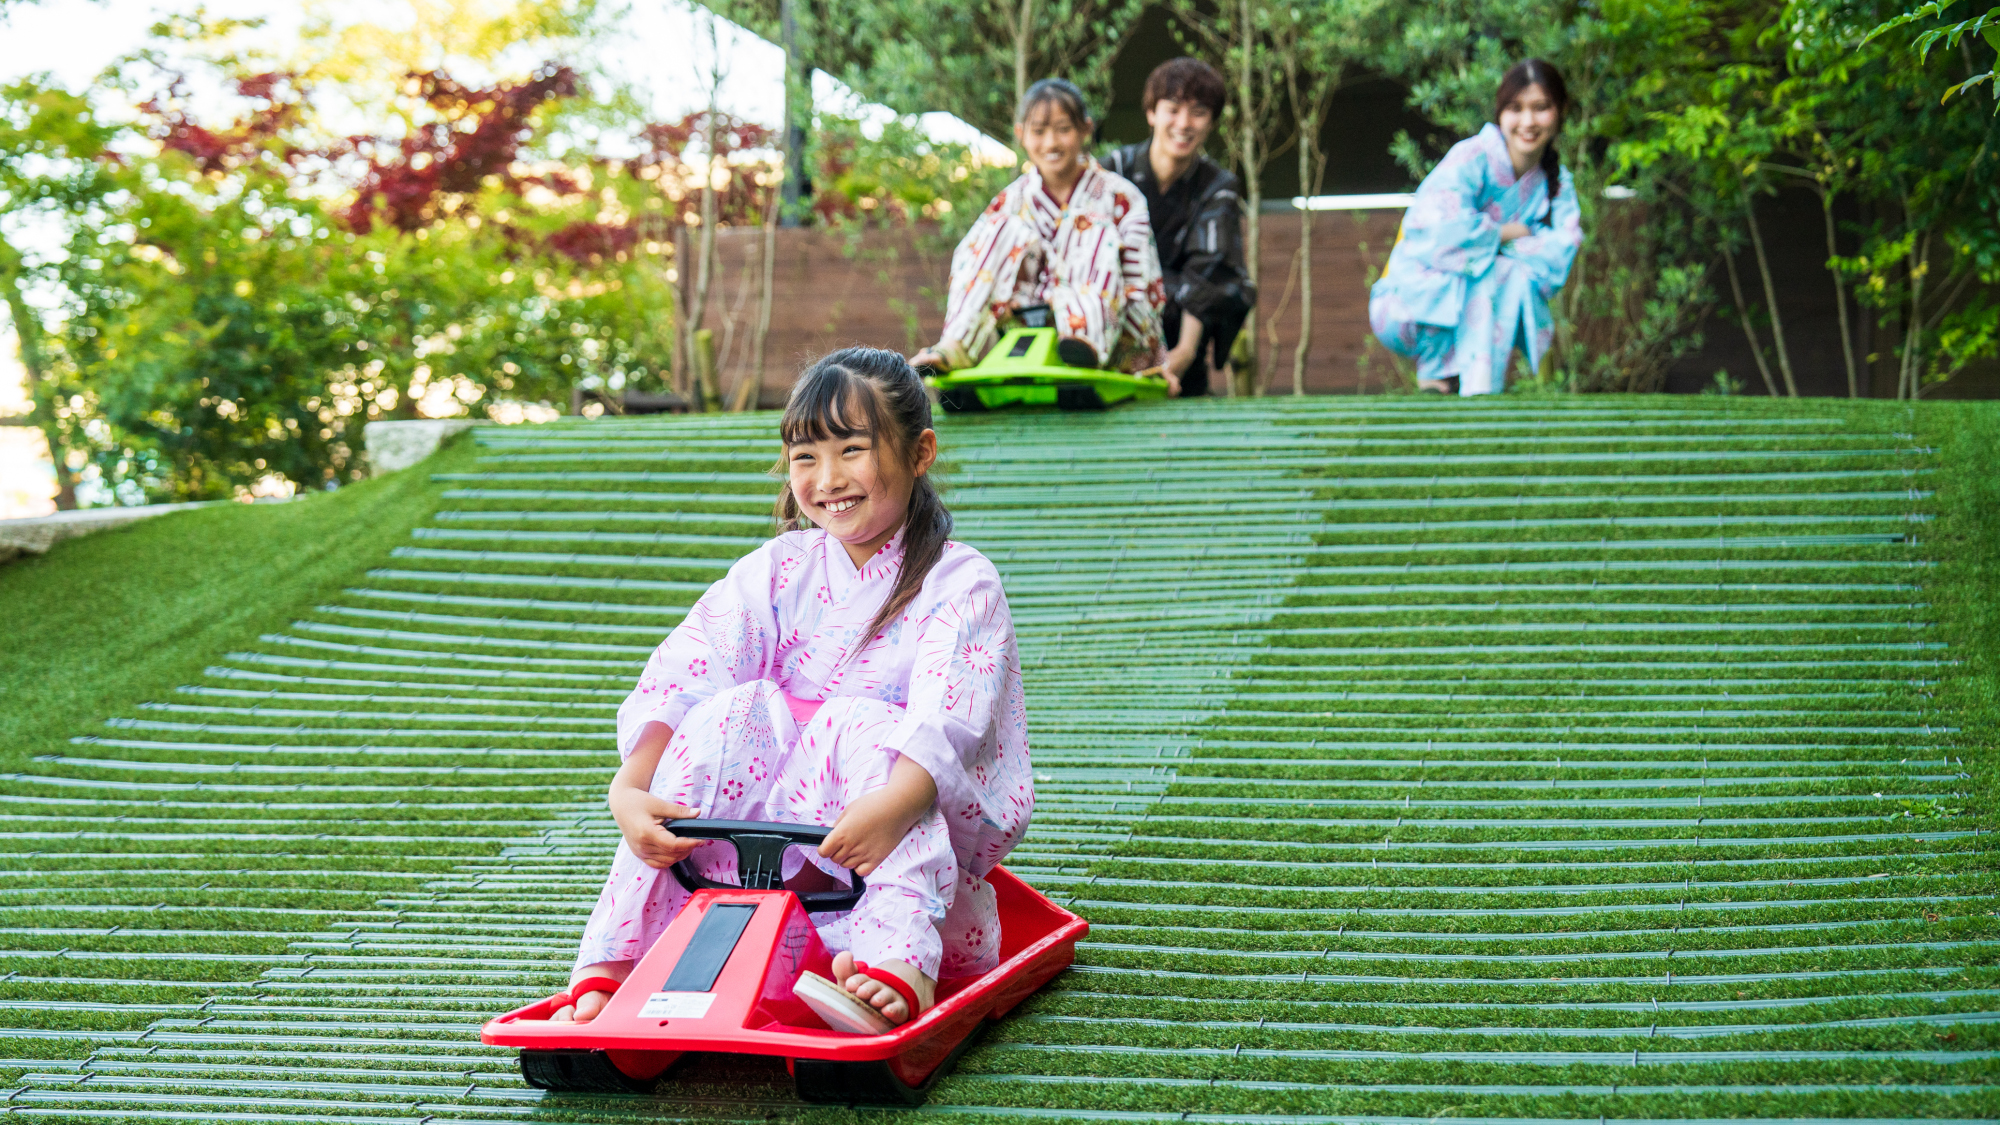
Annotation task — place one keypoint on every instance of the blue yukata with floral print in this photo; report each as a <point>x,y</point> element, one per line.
<point>1455,297</point>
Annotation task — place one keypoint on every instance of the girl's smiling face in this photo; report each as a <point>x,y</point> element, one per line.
<point>1053,141</point>
<point>1529,122</point>
<point>857,487</point>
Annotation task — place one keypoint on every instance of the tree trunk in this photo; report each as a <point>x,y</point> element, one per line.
<point>1253,191</point>
<point>1024,29</point>
<point>798,114</point>
<point>1770,298</point>
<point>710,399</point>
<point>1839,297</point>
<point>750,386</point>
<point>1743,314</point>
<point>1913,338</point>
<point>704,390</point>
<point>1304,345</point>
<point>682,382</point>
<point>28,336</point>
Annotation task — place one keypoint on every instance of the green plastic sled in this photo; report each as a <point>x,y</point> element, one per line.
<point>1024,370</point>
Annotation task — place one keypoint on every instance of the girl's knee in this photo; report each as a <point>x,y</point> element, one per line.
<point>753,693</point>
<point>923,864</point>
<point>851,710</point>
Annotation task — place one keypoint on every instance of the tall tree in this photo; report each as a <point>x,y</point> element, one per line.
<point>1238,33</point>
<point>1320,47</point>
<point>973,61</point>
<point>696,347</point>
<point>52,172</point>
<point>235,300</point>
<point>1794,90</point>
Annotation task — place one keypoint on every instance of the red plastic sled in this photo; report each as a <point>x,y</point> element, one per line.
<point>720,979</point>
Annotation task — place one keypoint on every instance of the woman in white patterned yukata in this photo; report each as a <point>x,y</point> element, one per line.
<point>857,671</point>
<point>1485,246</point>
<point>1068,235</point>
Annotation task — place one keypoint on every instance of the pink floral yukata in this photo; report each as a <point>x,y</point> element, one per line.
<point>770,723</point>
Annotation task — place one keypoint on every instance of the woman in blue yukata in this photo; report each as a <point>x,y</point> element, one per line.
<point>1485,246</point>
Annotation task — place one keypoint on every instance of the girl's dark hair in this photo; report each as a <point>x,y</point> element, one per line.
<point>874,392</point>
<point>1063,93</point>
<point>1538,72</point>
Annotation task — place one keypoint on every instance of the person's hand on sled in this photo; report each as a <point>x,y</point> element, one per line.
<point>639,813</point>
<point>1184,355</point>
<point>930,359</point>
<point>876,822</point>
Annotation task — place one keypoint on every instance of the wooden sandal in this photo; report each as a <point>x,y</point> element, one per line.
<point>844,1011</point>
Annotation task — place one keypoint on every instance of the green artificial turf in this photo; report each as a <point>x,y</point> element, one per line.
<point>103,622</point>
<point>1535,758</point>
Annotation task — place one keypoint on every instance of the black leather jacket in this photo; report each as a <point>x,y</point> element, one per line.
<point>1199,232</point>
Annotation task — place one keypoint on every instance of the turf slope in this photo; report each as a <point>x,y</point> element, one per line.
<point>1528,759</point>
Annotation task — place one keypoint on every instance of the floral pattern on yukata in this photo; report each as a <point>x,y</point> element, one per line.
<point>741,756</point>
<point>940,683</point>
<point>1091,260</point>
<point>1454,297</point>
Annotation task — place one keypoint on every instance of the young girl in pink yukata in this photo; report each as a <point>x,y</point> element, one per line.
<point>858,671</point>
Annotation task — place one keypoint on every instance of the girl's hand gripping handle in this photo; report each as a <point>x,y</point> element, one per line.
<point>639,813</point>
<point>872,826</point>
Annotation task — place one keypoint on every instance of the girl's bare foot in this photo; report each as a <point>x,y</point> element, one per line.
<point>585,1006</point>
<point>883,997</point>
<point>589,1004</point>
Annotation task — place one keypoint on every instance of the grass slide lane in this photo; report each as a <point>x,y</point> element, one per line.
<point>1525,760</point>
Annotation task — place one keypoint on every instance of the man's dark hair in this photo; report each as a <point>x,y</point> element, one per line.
<point>1186,80</point>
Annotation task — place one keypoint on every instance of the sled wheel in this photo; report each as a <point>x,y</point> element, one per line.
<point>1079,396</point>
<point>579,1072</point>
<point>961,400</point>
<point>855,1083</point>
<point>824,1082</point>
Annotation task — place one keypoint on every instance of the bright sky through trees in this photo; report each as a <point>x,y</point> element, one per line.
<point>649,55</point>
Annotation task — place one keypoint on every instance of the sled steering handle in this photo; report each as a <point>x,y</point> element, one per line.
<point>760,859</point>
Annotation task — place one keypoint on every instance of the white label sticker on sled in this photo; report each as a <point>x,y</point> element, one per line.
<point>677,1005</point>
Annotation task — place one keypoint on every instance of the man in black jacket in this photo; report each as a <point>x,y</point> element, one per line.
<point>1197,217</point>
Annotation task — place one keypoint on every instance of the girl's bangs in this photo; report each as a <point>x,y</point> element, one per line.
<point>833,403</point>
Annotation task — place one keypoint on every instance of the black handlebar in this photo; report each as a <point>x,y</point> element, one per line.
<point>760,856</point>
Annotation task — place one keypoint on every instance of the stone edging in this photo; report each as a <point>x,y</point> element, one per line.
<point>396,445</point>
<point>36,534</point>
